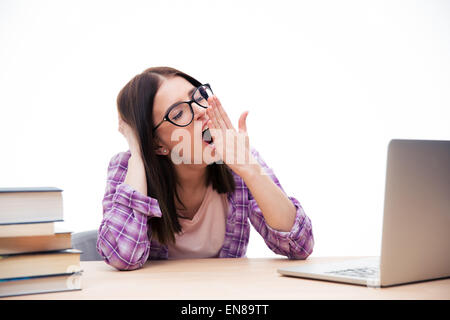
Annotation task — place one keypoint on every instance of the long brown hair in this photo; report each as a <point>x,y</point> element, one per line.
<point>135,106</point>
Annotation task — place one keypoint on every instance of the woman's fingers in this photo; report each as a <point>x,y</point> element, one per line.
<point>223,114</point>
<point>121,129</point>
<point>212,114</point>
<point>215,110</point>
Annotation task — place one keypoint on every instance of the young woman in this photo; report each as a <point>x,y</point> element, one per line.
<point>156,207</point>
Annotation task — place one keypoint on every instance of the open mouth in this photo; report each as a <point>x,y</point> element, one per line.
<point>206,136</point>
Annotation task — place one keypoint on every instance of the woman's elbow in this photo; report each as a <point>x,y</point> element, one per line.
<point>121,265</point>
<point>120,259</point>
<point>302,250</point>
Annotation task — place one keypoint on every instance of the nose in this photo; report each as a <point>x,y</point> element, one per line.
<point>199,112</point>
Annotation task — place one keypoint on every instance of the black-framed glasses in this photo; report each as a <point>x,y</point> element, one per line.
<point>182,114</point>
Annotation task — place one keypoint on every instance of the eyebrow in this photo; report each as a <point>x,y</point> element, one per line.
<point>190,92</point>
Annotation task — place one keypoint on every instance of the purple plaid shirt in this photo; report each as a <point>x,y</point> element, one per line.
<point>125,241</point>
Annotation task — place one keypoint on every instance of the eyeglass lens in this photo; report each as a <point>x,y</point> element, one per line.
<point>182,114</point>
<point>201,95</point>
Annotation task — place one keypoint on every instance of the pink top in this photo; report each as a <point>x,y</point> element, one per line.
<point>203,236</point>
<point>125,240</point>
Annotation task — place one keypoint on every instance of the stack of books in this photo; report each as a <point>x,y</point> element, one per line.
<point>35,257</point>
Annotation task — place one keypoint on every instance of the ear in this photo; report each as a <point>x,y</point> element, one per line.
<point>160,149</point>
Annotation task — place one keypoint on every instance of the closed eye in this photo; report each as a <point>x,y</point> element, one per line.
<point>178,115</point>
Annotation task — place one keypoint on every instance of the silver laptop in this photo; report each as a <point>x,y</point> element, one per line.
<point>415,242</point>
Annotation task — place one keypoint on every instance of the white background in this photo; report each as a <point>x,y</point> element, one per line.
<point>327,84</point>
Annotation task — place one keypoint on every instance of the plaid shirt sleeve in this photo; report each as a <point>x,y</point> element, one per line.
<point>297,243</point>
<point>123,239</point>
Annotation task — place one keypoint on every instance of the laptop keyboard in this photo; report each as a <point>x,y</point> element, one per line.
<point>365,272</point>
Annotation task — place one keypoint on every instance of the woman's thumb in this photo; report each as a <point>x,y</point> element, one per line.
<point>242,122</point>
